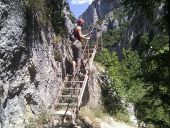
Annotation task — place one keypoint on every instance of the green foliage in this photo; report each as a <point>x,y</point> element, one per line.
<point>111,37</point>
<point>50,11</point>
<point>36,5</point>
<point>114,35</point>
<point>124,74</point>
<point>141,81</point>
<point>145,7</point>
<point>159,44</point>
<point>151,109</point>
<point>155,56</point>
<point>57,15</point>
<point>155,105</point>
<point>124,81</point>
<point>119,13</point>
<point>122,115</point>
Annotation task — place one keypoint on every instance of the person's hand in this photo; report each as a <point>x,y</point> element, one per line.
<point>88,34</point>
<point>88,38</point>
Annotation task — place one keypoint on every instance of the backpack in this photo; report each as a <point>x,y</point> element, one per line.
<point>71,35</point>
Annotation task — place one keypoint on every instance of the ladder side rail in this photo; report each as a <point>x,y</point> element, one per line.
<point>57,97</point>
<point>82,90</point>
<point>92,57</point>
<point>86,77</point>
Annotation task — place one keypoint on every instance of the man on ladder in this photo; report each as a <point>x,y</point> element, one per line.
<point>77,44</point>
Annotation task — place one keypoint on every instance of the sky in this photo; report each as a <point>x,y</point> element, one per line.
<point>79,6</point>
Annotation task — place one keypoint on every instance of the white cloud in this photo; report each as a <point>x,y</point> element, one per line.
<point>81,1</point>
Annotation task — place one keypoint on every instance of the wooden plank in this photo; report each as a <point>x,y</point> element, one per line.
<point>71,88</point>
<point>90,49</point>
<point>74,96</point>
<point>82,90</point>
<point>74,81</point>
<point>86,77</point>
<point>66,104</point>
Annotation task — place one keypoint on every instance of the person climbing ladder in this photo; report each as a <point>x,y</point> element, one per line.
<point>77,44</point>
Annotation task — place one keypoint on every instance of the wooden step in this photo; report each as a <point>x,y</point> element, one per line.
<point>89,51</point>
<point>90,47</point>
<point>86,54</point>
<point>71,77</point>
<point>73,81</point>
<point>66,104</point>
<point>68,91</point>
<point>67,100</point>
<point>62,112</point>
<point>75,84</point>
<point>82,70</point>
<point>74,96</point>
<point>71,88</point>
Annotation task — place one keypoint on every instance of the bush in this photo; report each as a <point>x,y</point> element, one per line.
<point>124,82</point>
<point>50,11</point>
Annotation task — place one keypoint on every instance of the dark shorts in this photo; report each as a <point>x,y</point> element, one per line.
<point>77,50</point>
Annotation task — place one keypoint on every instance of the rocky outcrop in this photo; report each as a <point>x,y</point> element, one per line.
<point>29,75</point>
<point>69,18</point>
<point>33,61</point>
<point>98,9</point>
<point>115,17</point>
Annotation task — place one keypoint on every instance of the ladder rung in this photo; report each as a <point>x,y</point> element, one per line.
<point>90,51</point>
<point>86,54</point>
<point>74,81</point>
<point>77,74</point>
<point>66,104</point>
<point>69,75</point>
<point>74,96</point>
<point>62,112</point>
<point>90,46</point>
<point>82,70</point>
<point>71,88</point>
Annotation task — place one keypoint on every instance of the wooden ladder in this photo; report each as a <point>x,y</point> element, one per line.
<point>69,98</point>
<point>71,92</point>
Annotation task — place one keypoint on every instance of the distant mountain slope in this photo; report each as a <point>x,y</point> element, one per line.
<point>98,9</point>
<point>120,27</point>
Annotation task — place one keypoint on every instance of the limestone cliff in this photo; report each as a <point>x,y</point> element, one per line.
<point>33,61</point>
<point>98,9</point>
<point>112,15</point>
<point>29,75</point>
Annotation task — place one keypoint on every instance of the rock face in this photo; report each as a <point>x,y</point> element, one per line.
<point>29,75</point>
<point>32,64</point>
<point>113,16</point>
<point>69,18</point>
<point>98,9</point>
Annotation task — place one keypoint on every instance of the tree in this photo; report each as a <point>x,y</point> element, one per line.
<point>146,7</point>
<point>155,64</point>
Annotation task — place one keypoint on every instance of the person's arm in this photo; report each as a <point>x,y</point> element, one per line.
<point>88,34</point>
<point>81,35</point>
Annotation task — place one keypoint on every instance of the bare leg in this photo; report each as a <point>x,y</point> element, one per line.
<point>78,64</point>
<point>74,67</point>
